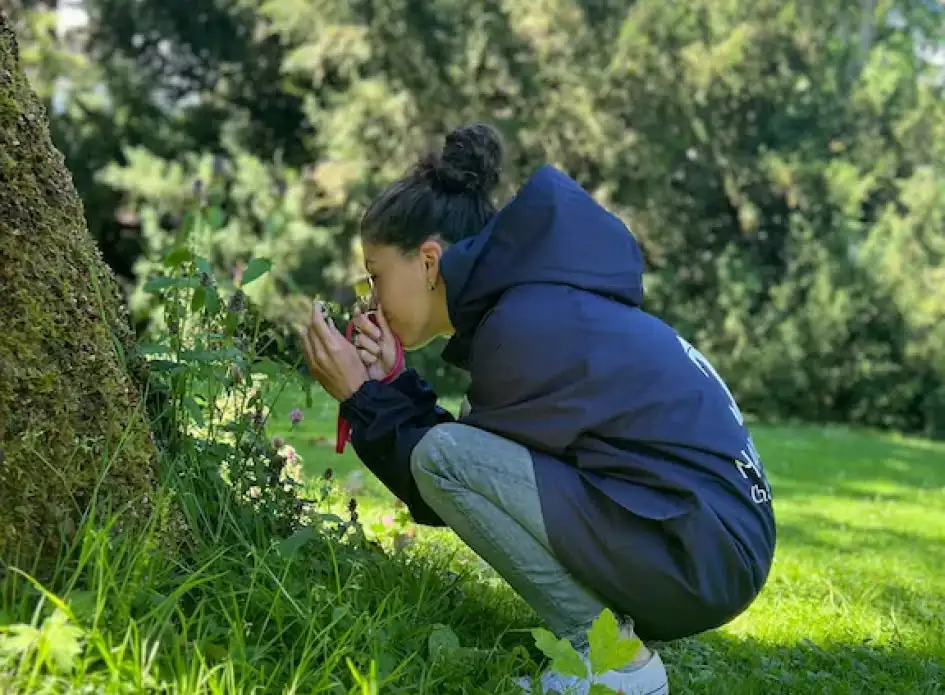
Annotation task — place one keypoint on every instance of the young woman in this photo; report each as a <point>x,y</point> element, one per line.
<point>602,462</point>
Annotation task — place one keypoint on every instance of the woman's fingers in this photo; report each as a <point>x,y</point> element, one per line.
<point>367,358</point>
<point>366,326</point>
<point>382,321</point>
<point>368,350</point>
<point>319,330</point>
<point>367,344</point>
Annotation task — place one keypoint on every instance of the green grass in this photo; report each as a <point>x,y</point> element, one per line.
<point>855,604</point>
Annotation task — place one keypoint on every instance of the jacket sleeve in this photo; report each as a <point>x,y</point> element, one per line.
<point>387,421</point>
<point>532,387</point>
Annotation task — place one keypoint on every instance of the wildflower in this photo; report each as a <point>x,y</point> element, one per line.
<point>278,463</point>
<point>293,472</point>
<point>296,416</point>
<point>387,520</point>
<point>172,320</point>
<point>254,492</point>
<point>238,274</point>
<point>237,303</point>
<point>277,443</point>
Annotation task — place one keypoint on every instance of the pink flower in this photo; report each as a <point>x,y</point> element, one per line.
<point>387,520</point>
<point>296,416</point>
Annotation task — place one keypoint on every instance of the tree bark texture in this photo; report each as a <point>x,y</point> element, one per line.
<point>72,426</point>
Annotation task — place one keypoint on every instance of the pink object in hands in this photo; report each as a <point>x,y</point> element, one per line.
<point>343,435</point>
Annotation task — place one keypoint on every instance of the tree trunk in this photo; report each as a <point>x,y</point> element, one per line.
<point>72,426</point>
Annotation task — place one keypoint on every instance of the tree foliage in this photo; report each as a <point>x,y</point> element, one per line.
<point>780,162</point>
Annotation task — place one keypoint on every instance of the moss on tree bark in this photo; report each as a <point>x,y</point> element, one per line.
<point>72,428</point>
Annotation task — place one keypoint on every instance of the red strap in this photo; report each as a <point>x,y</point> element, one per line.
<point>343,434</point>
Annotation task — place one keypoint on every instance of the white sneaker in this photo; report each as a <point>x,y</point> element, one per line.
<point>648,679</point>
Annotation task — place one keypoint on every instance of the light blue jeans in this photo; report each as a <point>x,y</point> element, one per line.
<point>483,486</point>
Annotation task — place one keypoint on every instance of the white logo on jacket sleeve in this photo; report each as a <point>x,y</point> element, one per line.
<point>750,461</point>
<point>703,364</point>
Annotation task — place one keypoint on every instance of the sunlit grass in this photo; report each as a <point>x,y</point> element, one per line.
<point>854,605</point>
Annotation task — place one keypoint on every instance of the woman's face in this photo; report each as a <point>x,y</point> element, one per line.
<point>402,286</point>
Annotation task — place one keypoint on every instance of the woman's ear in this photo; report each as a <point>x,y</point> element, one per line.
<point>431,251</point>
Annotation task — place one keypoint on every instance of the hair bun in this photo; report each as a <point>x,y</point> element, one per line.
<point>471,160</point>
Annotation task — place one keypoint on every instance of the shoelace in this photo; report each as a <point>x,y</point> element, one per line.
<point>343,435</point>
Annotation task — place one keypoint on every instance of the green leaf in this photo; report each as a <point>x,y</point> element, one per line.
<point>57,643</point>
<point>203,265</point>
<point>84,604</point>
<point>199,299</point>
<point>166,366</point>
<point>154,349</point>
<point>195,410</point>
<point>18,640</point>
<point>256,269</point>
<point>177,257</point>
<point>330,518</point>
<point>63,642</point>
<point>600,689</point>
<point>215,651</point>
<point>210,355</point>
<point>288,547</point>
<point>266,366</point>
<point>156,284</point>
<point>215,217</point>
<point>609,650</point>
<point>230,323</point>
<point>442,638</point>
<point>564,658</point>
<point>213,302</point>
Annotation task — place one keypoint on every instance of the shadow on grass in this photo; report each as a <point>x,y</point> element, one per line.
<point>718,663</point>
<point>715,663</point>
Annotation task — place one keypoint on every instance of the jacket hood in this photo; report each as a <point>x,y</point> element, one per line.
<point>552,231</point>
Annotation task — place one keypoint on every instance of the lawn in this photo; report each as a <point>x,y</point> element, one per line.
<point>855,604</point>
<point>856,601</point>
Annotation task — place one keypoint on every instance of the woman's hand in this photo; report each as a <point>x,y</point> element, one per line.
<point>377,346</point>
<point>332,361</point>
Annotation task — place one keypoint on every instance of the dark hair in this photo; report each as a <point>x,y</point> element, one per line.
<point>445,195</point>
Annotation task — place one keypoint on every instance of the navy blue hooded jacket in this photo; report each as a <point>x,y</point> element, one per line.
<point>652,491</point>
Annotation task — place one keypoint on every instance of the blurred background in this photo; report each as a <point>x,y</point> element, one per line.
<point>781,163</point>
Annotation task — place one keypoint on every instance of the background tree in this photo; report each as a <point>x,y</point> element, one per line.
<point>778,161</point>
